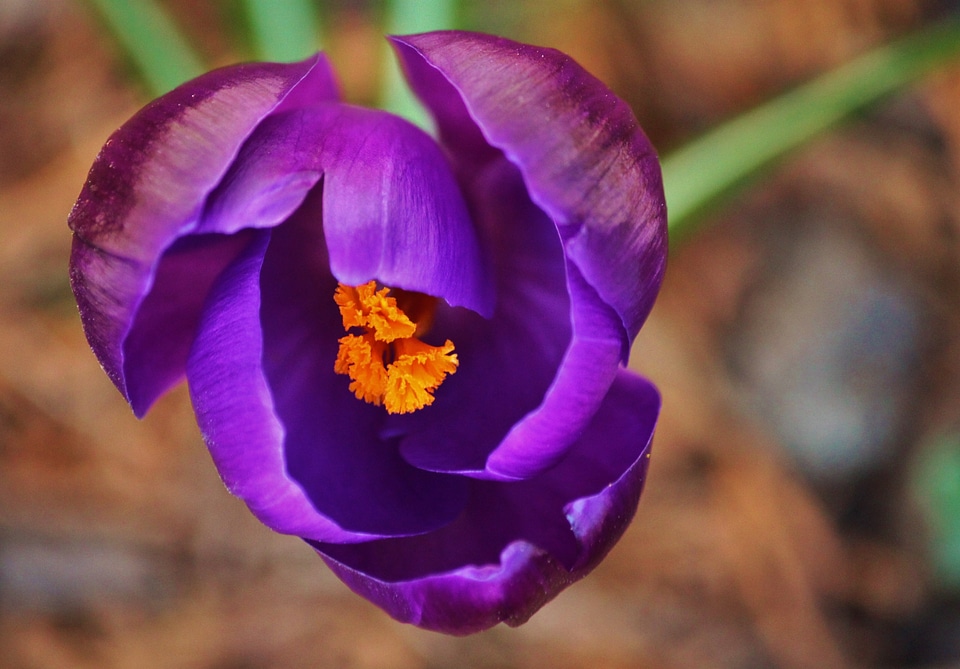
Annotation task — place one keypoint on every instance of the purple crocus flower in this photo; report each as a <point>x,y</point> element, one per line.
<point>409,352</point>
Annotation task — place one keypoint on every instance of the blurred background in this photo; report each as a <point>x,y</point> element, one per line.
<point>803,505</point>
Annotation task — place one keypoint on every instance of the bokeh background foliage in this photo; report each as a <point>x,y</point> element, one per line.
<point>803,503</point>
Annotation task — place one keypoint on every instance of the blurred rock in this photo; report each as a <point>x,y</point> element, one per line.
<point>827,349</point>
<point>51,575</point>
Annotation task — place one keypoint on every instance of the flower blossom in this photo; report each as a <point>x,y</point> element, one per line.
<point>408,351</point>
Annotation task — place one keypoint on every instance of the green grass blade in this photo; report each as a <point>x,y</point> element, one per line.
<point>407,17</point>
<point>697,175</point>
<point>157,48</point>
<point>283,30</point>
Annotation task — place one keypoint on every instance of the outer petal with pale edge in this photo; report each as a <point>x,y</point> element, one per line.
<point>517,544</point>
<point>587,165</point>
<point>145,191</point>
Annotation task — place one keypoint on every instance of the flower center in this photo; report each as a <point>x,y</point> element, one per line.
<point>387,364</point>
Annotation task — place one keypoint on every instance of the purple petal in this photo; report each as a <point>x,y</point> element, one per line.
<point>527,384</point>
<point>588,368</point>
<point>286,434</point>
<point>587,165</point>
<point>391,208</point>
<point>145,191</point>
<point>507,362</point>
<point>584,158</point>
<point>516,544</point>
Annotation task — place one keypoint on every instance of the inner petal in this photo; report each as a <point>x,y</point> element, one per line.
<point>392,210</point>
<point>507,362</point>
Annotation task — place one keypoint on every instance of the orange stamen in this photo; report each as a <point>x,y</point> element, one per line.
<point>387,364</point>
<point>367,307</point>
<point>361,358</point>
